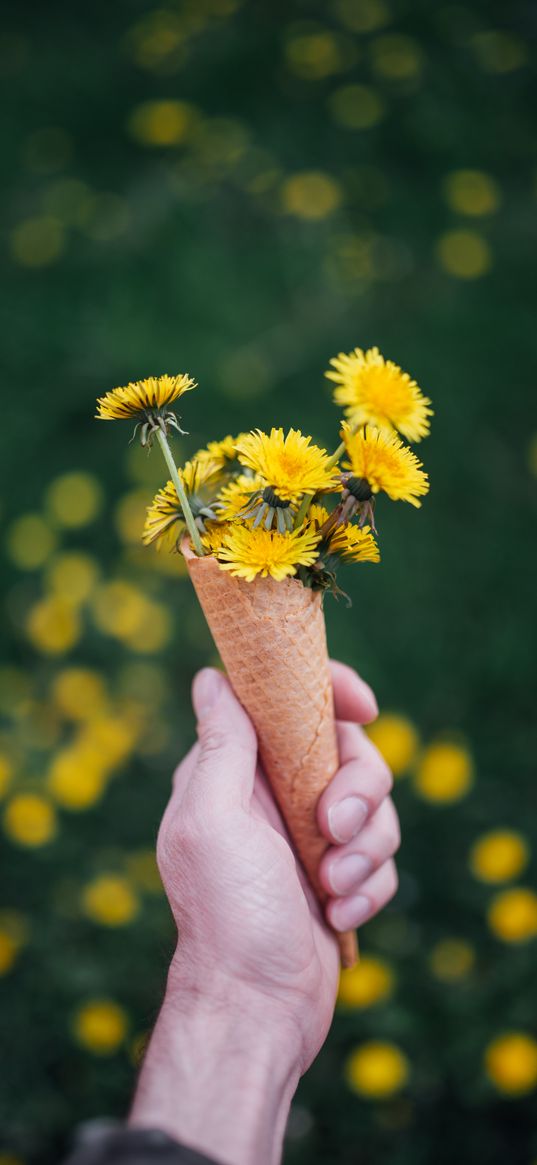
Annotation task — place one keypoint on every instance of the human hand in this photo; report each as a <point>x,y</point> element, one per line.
<point>253,982</point>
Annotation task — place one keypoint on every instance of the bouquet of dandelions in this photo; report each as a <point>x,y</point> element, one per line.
<point>264,521</point>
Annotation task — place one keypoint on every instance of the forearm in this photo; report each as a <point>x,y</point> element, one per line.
<point>217,1078</point>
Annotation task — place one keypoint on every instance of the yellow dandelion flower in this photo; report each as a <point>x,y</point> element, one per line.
<point>511,1063</point>
<point>351,543</point>
<point>142,396</point>
<point>248,552</point>
<point>512,915</point>
<point>234,497</point>
<point>499,856</point>
<point>377,1069</point>
<point>384,463</point>
<point>397,739</point>
<point>165,522</point>
<point>110,900</point>
<point>291,465</point>
<point>445,772</point>
<point>100,1025</point>
<point>370,981</point>
<point>376,391</point>
<point>213,538</point>
<point>224,452</point>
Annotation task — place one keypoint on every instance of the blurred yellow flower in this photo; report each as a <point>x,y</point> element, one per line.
<point>30,541</point>
<point>110,739</point>
<point>79,693</point>
<point>464,254</point>
<point>363,15</point>
<point>100,1025</point>
<point>376,1070</point>
<point>311,195</point>
<point>72,576</point>
<point>397,739</point>
<point>129,516</point>
<point>499,856</point>
<point>246,552</point>
<point>142,868</point>
<point>74,499</point>
<point>162,123</point>
<point>53,625</point>
<point>511,1063</point>
<point>9,950</point>
<point>119,609</point>
<point>6,773</point>
<point>445,773</point>
<point>110,900</point>
<point>512,915</point>
<point>37,242</point>
<point>376,391</point>
<point>76,778</point>
<point>499,51</point>
<point>396,57</point>
<point>30,820</point>
<point>370,981</point>
<point>451,959</point>
<point>356,106</point>
<point>472,192</point>
<point>317,54</point>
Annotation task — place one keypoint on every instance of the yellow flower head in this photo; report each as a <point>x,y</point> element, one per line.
<point>224,452</point>
<point>214,535</point>
<point>248,552</point>
<point>165,522</point>
<point>290,465</point>
<point>511,1063</point>
<point>234,497</point>
<point>384,463</point>
<point>142,396</point>
<point>376,391</point>
<point>351,543</point>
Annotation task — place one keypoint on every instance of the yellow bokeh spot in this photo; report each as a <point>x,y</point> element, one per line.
<point>512,915</point>
<point>499,52</point>
<point>472,192</point>
<point>363,15</point>
<point>37,242</point>
<point>130,516</point>
<point>100,1026</point>
<point>30,541</point>
<point>369,982</point>
<point>499,856</point>
<point>397,739</point>
<point>445,773</point>
<point>126,613</point>
<point>74,499</point>
<point>79,693</point>
<point>76,780</point>
<point>397,57</point>
<point>376,1070</point>
<point>162,123</point>
<point>30,820</point>
<point>511,1063</point>
<point>451,960</point>
<point>6,773</point>
<point>464,254</point>
<point>110,900</point>
<point>311,195</point>
<point>142,868</point>
<point>109,740</point>
<point>9,949</point>
<point>53,626</point>
<point>356,106</point>
<point>315,55</point>
<point>72,576</point>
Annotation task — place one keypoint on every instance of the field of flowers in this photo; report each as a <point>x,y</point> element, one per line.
<point>239,191</point>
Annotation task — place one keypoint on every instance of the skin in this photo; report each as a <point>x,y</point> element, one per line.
<point>252,985</point>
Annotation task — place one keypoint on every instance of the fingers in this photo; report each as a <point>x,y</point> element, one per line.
<point>346,913</point>
<point>353,698</point>
<point>226,761</point>
<point>356,791</point>
<point>345,868</point>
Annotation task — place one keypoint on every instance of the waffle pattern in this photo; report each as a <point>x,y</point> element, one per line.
<point>271,637</point>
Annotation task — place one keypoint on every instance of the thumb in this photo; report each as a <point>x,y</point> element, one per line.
<point>226,763</point>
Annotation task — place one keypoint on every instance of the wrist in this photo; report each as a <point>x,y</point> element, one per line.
<point>219,1074</point>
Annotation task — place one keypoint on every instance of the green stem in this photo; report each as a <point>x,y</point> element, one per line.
<point>181,494</point>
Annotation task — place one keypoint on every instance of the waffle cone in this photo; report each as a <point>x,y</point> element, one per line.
<point>271,637</point>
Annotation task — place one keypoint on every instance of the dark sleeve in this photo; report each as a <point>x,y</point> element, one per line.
<point>135,1147</point>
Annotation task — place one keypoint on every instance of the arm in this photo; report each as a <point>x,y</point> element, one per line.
<point>252,985</point>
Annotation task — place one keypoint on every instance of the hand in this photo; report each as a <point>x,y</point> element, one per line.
<point>254,977</point>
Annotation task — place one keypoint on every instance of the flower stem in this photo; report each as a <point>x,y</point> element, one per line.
<point>181,494</point>
<point>308,498</point>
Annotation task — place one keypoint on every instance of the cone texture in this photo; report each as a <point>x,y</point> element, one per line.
<point>271,637</point>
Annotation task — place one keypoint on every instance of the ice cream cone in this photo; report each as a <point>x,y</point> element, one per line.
<point>272,641</point>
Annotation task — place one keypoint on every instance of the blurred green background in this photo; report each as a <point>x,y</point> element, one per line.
<point>241,190</point>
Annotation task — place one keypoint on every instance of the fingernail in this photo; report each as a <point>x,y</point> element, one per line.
<point>347,817</point>
<point>348,872</point>
<point>350,912</point>
<point>206,691</point>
